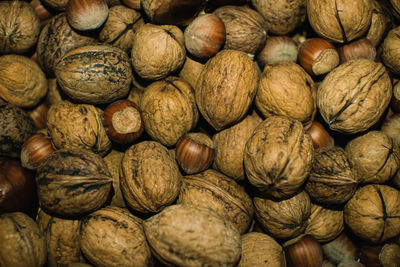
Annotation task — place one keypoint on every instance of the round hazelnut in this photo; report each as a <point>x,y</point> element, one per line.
<point>86,15</point>
<point>320,136</point>
<point>340,249</point>
<point>303,251</point>
<point>34,150</point>
<point>380,255</point>
<point>39,115</point>
<point>277,49</point>
<point>362,48</point>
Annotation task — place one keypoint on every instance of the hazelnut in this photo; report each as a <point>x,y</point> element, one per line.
<point>320,136</point>
<point>340,248</point>
<point>35,149</point>
<point>39,115</point>
<point>276,49</point>
<point>303,251</point>
<point>362,48</point>
<point>380,255</point>
<point>86,15</point>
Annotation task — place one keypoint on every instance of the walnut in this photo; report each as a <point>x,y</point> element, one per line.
<point>77,126</point>
<point>184,235</point>
<point>390,54</point>
<point>157,51</point>
<point>278,156</point>
<point>374,213</point>
<point>226,88</point>
<point>19,27</point>
<point>169,110</point>
<point>113,161</point>
<point>340,21</point>
<point>353,96</point>
<point>380,22</point>
<point>59,5</point>
<point>54,93</point>
<point>190,71</point>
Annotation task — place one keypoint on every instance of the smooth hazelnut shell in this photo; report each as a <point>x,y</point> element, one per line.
<point>39,115</point>
<point>362,48</point>
<point>86,15</point>
<point>34,150</point>
<point>380,255</point>
<point>340,249</point>
<point>320,136</point>
<point>306,252</point>
<point>277,49</point>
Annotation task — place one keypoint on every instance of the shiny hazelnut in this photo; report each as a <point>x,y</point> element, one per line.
<point>395,101</point>
<point>340,249</point>
<point>86,15</point>
<point>205,36</point>
<point>35,149</point>
<point>320,136</point>
<point>380,255</point>
<point>135,4</point>
<point>303,251</point>
<point>318,56</point>
<point>39,115</point>
<point>362,48</point>
<point>277,49</point>
<point>123,121</point>
<point>194,152</point>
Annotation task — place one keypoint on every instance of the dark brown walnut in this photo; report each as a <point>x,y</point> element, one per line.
<point>113,161</point>
<point>59,5</point>
<point>283,219</point>
<point>281,17</point>
<point>150,177</point>
<point>19,27</point>
<point>341,248</point>
<point>353,96</point>
<point>285,89</point>
<point>169,110</point>
<point>278,157</point>
<point>229,146</point>
<point>22,82</point>
<point>184,235</point>
<point>226,88</point>
<point>246,29</point>
<point>390,54</point>
<point>374,213</point>
<point>331,180</point>
<point>112,236</point>
<point>261,250</point>
<point>62,239</point>
<point>22,244</point>
<point>190,71</point>
<point>380,22</point>
<point>374,157</point>
<point>213,190</point>
<point>15,127</point>
<point>120,27</point>
<point>95,74</point>
<point>157,51</point>
<point>340,20</point>
<point>77,126</point>
<point>55,40</point>
<point>73,182</point>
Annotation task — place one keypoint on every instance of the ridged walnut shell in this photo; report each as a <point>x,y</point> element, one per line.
<point>380,22</point>
<point>353,96</point>
<point>391,54</point>
<point>226,88</point>
<point>112,236</point>
<point>113,161</point>
<point>184,235</point>
<point>150,178</point>
<point>374,213</point>
<point>213,190</point>
<point>278,156</point>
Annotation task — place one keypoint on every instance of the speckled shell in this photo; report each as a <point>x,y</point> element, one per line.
<point>150,178</point>
<point>391,55</point>
<point>73,182</point>
<point>285,89</point>
<point>213,190</point>
<point>353,96</point>
<point>278,156</point>
<point>95,74</point>
<point>169,110</point>
<point>183,235</point>
<point>112,236</point>
<point>374,213</point>
<point>374,157</point>
<point>226,88</point>
<point>22,244</point>
<point>77,126</point>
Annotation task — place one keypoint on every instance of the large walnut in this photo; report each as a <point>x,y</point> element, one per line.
<point>77,126</point>
<point>391,54</point>
<point>353,96</point>
<point>184,235</point>
<point>285,89</point>
<point>340,20</point>
<point>226,88</point>
<point>278,156</point>
<point>169,110</point>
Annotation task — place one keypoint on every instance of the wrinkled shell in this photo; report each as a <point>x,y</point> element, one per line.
<point>374,213</point>
<point>113,161</point>
<point>340,20</point>
<point>95,74</point>
<point>380,22</point>
<point>331,180</point>
<point>281,17</point>
<point>261,250</point>
<point>353,96</point>
<point>19,27</point>
<point>278,156</point>
<point>73,182</point>
<point>245,28</point>
<point>229,146</point>
<point>226,88</point>
<point>284,219</point>
<point>374,157</point>
<point>150,177</point>
<point>285,89</point>
<point>192,236</point>
<point>54,94</point>
<point>391,54</point>
<point>22,244</point>
<point>56,4</point>
<point>157,51</point>
<point>112,237</point>
<point>190,71</point>
<point>213,190</point>
<point>169,110</point>
<point>391,126</point>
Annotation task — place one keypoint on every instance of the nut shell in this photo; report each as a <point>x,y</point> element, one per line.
<point>86,15</point>
<point>34,150</point>
<point>390,54</point>
<point>113,161</point>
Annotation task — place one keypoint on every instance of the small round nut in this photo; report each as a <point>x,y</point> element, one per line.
<point>34,150</point>
<point>303,251</point>
<point>362,48</point>
<point>277,49</point>
<point>86,15</point>
<point>320,136</point>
